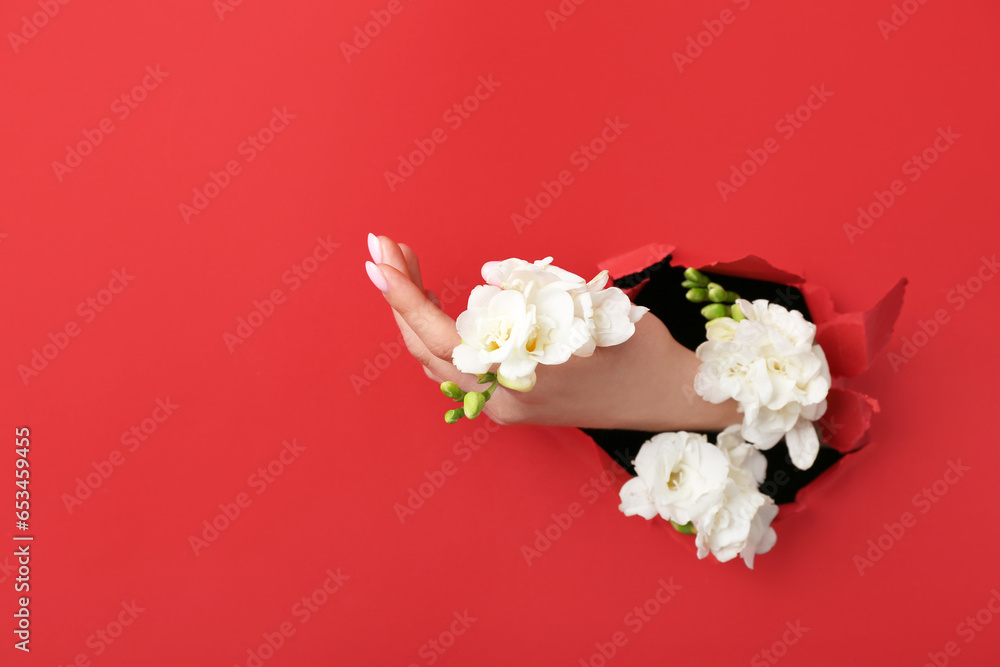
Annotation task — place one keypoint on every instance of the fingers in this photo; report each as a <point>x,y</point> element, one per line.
<point>427,321</point>
<point>401,257</point>
<point>407,297</point>
<point>429,332</point>
<point>392,255</point>
<point>412,264</point>
<point>440,371</point>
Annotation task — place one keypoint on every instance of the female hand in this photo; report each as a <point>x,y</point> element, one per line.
<point>645,383</point>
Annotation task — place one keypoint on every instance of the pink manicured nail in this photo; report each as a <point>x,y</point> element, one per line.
<point>377,277</point>
<point>375,248</point>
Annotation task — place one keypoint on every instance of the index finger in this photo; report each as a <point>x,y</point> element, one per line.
<point>435,328</point>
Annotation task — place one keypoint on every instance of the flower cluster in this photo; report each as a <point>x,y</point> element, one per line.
<point>764,357</point>
<point>766,360</point>
<point>535,313</point>
<point>708,489</point>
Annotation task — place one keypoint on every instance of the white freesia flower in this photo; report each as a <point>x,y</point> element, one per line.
<point>747,468</point>
<point>762,537</point>
<point>769,364</point>
<point>725,529</point>
<point>739,525</point>
<point>516,274</point>
<point>556,315</point>
<point>683,476</point>
<point>609,313</point>
<point>635,499</point>
<point>518,330</point>
<point>493,328</point>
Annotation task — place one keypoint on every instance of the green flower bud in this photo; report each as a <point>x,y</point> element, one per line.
<point>696,276</point>
<point>686,529</point>
<point>452,391</point>
<point>716,293</point>
<point>474,402</point>
<point>453,416</point>
<point>733,296</point>
<point>697,295</point>
<point>737,314</point>
<point>713,311</point>
<point>689,284</point>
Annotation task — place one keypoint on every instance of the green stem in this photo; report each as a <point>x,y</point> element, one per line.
<point>686,529</point>
<point>491,389</point>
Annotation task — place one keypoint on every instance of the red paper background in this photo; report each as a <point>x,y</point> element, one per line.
<point>367,445</point>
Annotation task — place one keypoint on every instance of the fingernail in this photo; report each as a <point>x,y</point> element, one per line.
<point>374,248</point>
<point>377,277</point>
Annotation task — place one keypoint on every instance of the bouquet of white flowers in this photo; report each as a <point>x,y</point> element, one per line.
<point>758,353</point>
<point>763,356</point>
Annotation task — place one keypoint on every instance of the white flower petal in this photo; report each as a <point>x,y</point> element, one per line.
<point>470,360</point>
<point>803,444</point>
<point>770,365</point>
<point>635,499</point>
<point>762,537</point>
<point>725,532</point>
<point>683,472</point>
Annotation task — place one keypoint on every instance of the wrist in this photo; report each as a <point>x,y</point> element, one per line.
<point>676,405</point>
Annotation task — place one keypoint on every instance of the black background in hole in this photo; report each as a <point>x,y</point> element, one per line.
<point>664,297</point>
